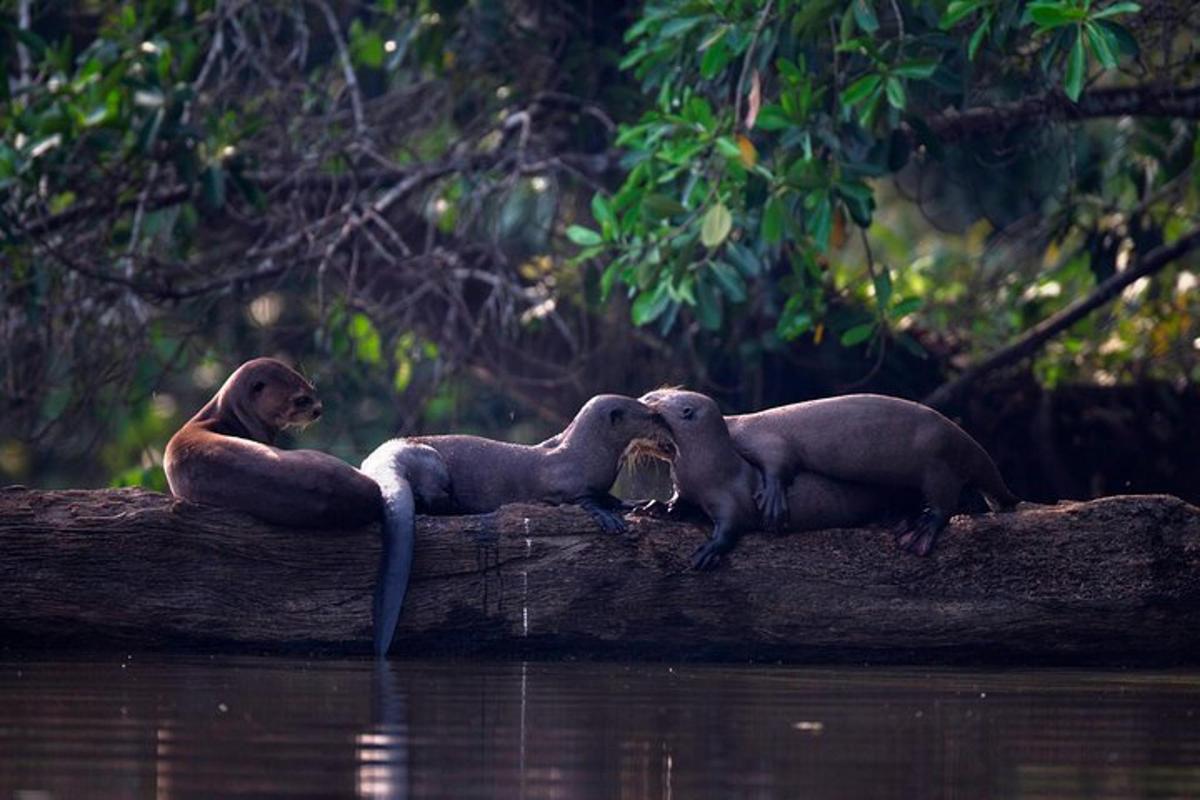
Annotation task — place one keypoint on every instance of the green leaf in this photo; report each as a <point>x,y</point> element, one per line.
<point>649,306</point>
<point>1076,70</point>
<point>602,212</point>
<point>1120,38</point>
<point>864,16</point>
<point>708,306</point>
<point>794,320</point>
<point>918,68</point>
<point>772,221</point>
<point>583,236</point>
<point>772,118</point>
<point>1050,15</point>
<point>1102,46</point>
<point>213,180</point>
<point>859,200</point>
<point>883,286</point>
<point>858,334</point>
<point>978,35</point>
<point>744,259</point>
<point>956,11</point>
<point>895,93</point>
<point>730,281</point>
<point>860,89</point>
<point>677,26</point>
<point>716,226</point>
<point>728,148</point>
<point>716,58</point>
<point>35,43</point>
<point>1117,8</point>
<point>659,206</point>
<point>820,223</point>
<point>905,307</point>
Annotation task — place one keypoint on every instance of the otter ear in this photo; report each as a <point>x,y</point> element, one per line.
<point>616,415</point>
<point>687,412</point>
<point>258,386</point>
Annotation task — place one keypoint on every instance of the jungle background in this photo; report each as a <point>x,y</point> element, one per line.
<point>473,215</point>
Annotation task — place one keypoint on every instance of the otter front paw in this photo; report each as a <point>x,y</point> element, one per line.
<point>608,520</point>
<point>772,502</point>
<point>708,555</point>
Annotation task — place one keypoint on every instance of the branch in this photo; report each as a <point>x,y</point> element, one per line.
<point>356,103</point>
<point>1032,340</point>
<point>1132,101</point>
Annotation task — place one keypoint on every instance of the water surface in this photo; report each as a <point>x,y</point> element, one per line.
<point>241,726</point>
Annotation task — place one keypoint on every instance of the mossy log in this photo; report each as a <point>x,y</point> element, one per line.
<point>1115,579</point>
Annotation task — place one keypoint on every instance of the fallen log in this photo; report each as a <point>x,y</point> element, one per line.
<point>1114,579</point>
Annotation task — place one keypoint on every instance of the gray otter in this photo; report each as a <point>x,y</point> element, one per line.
<point>711,473</point>
<point>223,455</point>
<point>866,438</point>
<point>473,475</point>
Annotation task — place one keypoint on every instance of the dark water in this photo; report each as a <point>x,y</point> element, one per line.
<point>221,727</point>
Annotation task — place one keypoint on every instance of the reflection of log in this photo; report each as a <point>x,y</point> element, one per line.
<point>1117,577</point>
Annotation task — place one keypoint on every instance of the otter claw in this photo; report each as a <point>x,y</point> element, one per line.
<point>609,521</point>
<point>707,556</point>
<point>922,535</point>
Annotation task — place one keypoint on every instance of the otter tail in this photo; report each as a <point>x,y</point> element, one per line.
<point>399,527</point>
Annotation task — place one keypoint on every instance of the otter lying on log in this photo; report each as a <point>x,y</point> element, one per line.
<point>223,456</point>
<point>472,475</point>
<point>869,444</point>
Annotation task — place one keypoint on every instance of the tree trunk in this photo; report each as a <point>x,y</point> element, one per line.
<point>1112,579</point>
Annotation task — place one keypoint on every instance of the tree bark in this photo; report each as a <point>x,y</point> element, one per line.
<point>1114,579</point>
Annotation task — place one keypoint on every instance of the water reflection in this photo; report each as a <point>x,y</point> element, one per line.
<point>171,728</point>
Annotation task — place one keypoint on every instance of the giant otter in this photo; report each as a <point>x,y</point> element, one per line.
<point>472,475</point>
<point>710,472</point>
<point>866,438</point>
<point>223,455</point>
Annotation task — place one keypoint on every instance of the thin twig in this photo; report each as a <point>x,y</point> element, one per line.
<point>746,60</point>
<point>356,103</point>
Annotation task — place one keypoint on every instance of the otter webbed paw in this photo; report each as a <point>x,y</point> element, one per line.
<point>609,520</point>
<point>922,535</point>
<point>708,555</point>
<point>772,502</point>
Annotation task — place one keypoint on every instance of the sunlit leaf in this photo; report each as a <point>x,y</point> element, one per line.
<point>716,225</point>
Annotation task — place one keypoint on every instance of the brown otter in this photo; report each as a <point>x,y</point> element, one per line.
<point>472,475</point>
<point>872,439</point>
<point>223,455</point>
<point>711,473</point>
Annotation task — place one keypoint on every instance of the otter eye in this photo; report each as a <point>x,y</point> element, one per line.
<point>303,401</point>
<point>258,386</point>
<point>616,415</point>
<point>687,412</point>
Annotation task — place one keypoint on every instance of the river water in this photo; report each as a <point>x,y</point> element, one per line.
<point>152,726</point>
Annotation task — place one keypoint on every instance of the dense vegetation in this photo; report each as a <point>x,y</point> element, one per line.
<point>461,214</point>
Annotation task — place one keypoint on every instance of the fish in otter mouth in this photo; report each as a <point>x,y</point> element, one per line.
<point>660,448</point>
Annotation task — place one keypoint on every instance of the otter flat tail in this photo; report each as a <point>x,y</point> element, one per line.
<point>395,562</point>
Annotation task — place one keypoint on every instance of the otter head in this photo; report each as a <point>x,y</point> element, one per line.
<point>265,396</point>
<point>686,414</point>
<point>616,423</point>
